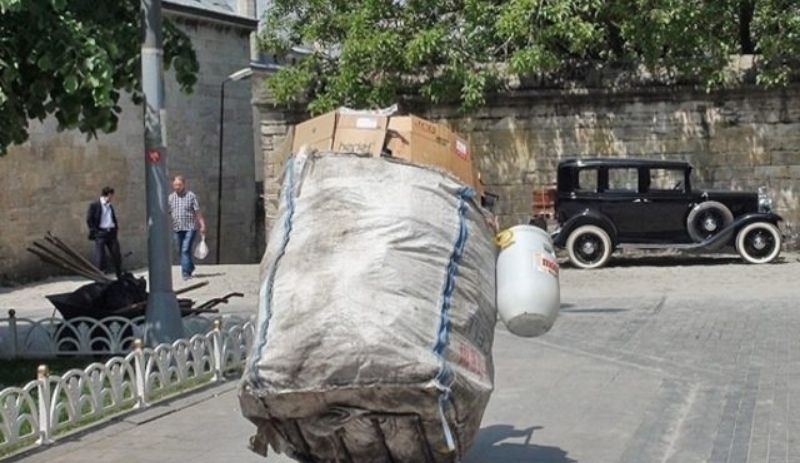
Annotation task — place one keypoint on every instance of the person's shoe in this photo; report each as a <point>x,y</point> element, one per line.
<point>186,277</point>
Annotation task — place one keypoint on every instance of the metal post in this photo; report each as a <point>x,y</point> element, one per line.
<point>219,172</point>
<point>139,370</point>
<point>163,315</point>
<point>12,327</point>
<point>45,424</point>
<point>216,336</point>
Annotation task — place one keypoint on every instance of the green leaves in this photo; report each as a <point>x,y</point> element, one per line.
<point>72,59</point>
<point>7,5</point>
<point>71,84</point>
<point>375,52</point>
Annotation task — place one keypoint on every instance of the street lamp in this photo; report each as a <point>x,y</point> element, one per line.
<point>241,74</point>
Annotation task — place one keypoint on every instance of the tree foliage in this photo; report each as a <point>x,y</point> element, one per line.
<point>72,59</point>
<point>368,52</point>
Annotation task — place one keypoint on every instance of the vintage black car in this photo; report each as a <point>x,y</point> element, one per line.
<point>607,204</point>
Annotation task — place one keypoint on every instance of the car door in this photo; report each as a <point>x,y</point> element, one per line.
<point>665,205</point>
<point>622,202</point>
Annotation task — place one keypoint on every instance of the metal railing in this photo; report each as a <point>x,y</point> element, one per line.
<point>53,405</point>
<point>81,336</point>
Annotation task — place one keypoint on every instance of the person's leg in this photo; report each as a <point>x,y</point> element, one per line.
<point>99,255</point>
<point>180,238</point>
<point>185,238</point>
<point>116,257</point>
<point>190,238</point>
<point>176,239</point>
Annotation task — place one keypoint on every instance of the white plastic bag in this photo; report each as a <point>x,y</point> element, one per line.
<point>201,250</point>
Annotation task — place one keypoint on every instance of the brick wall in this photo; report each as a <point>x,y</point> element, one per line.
<point>47,183</point>
<point>735,139</point>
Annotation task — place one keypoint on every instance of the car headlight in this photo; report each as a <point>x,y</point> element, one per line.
<point>764,201</point>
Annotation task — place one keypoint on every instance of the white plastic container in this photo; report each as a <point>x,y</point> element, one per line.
<point>528,292</point>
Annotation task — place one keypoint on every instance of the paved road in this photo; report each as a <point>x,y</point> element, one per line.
<point>660,360</point>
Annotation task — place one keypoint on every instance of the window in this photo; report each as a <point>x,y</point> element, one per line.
<point>662,180</point>
<point>623,180</point>
<point>587,180</point>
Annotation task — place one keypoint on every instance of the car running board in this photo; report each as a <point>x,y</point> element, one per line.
<point>713,242</point>
<point>683,246</point>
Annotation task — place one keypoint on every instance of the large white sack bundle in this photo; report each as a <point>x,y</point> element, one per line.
<point>377,315</point>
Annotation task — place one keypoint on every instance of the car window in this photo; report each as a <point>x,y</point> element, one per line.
<point>587,180</point>
<point>663,180</point>
<point>623,180</point>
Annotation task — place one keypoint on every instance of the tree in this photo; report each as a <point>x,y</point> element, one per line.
<point>72,59</point>
<point>371,52</point>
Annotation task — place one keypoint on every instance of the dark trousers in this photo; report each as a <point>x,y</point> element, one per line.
<point>107,239</point>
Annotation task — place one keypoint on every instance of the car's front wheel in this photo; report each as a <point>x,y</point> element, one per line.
<point>759,242</point>
<point>589,247</point>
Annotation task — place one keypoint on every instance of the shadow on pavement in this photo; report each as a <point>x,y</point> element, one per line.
<point>593,310</point>
<point>490,448</point>
<point>208,275</point>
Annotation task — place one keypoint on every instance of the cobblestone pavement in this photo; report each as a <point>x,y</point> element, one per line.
<point>651,360</point>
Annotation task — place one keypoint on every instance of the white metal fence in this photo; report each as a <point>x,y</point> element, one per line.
<point>80,336</point>
<point>51,405</point>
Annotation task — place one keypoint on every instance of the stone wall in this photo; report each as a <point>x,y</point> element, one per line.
<point>736,139</point>
<point>47,183</point>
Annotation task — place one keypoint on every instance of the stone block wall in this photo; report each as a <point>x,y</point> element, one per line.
<point>736,140</point>
<point>47,183</point>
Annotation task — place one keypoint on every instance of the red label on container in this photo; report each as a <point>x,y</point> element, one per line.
<point>547,264</point>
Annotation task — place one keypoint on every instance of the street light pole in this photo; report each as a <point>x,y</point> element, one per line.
<point>163,316</point>
<point>236,76</point>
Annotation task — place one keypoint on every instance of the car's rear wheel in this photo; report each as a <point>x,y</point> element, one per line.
<point>707,219</point>
<point>589,247</point>
<point>759,242</point>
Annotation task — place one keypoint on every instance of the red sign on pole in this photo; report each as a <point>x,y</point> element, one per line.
<point>153,156</point>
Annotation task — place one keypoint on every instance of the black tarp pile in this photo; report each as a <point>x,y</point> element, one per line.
<point>125,296</point>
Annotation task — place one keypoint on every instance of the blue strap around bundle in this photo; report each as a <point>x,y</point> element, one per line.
<point>444,377</point>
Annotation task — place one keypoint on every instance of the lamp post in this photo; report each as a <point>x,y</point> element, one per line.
<point>163,317</point>
<point>241,74</point>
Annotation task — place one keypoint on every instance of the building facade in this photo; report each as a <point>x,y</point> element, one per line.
<point>47,183</point>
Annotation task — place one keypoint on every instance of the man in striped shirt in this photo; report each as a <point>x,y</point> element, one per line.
<point>186,220</point>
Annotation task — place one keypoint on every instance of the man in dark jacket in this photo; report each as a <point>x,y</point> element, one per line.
<point>103,227</point>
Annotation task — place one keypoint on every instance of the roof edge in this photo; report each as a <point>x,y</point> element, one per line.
<point>214,16</point>
<point>632,162</point>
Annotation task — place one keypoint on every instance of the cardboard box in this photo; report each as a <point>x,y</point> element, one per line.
<point>316,133</point>
<point>460,162</point>
<point>361,134</point>
<point>427,143</point>
<point>342,133</point>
